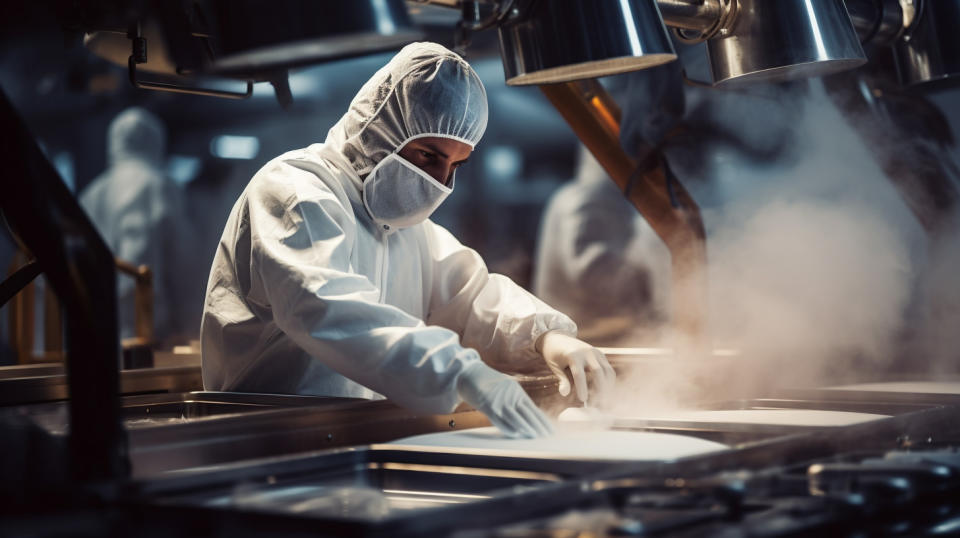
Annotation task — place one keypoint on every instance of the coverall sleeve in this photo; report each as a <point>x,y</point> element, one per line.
<point>300,249</point>
<point>491,313</point>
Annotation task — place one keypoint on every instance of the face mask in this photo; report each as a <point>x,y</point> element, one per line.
<point>397,194</point>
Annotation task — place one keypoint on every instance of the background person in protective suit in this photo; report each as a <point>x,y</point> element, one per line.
<point>331,280</point>
<point>140,214</point>
<point>600,262</point>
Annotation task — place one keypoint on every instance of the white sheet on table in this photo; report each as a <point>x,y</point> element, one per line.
<point>575,443</point>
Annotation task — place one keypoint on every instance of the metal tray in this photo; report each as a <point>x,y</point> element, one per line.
<point>48,383</point>
<point>377,489</point>
<point>737,433</point>
<point>156,409</point>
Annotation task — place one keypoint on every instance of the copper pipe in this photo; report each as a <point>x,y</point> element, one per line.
<point>23,310</point>
<point>669,209</point>
<point>21,324</point>
<point>21,314</point>
<point>52,326</point>
<point>142,299</point>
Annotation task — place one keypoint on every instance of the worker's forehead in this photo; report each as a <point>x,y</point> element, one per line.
<point>445,147</point>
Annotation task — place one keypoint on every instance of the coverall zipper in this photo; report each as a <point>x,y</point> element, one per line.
<point>384,261</point>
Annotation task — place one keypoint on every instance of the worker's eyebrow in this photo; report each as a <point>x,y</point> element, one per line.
<point>433,149</point>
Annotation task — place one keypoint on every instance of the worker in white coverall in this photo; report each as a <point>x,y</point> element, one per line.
<point>331,280</point>
<point>600,262</point>
<point>140,214</point>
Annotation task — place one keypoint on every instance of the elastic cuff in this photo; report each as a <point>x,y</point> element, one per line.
<point>538,345</point>
<point>469,368</point>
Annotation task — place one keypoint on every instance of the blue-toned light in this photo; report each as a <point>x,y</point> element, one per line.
<point>385,22</point>
<point>235,147</point>
<point>63,162</point>
<point>183,169</point>
<point>503,163</point>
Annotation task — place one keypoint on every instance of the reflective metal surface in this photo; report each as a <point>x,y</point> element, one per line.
<point>784,40</point>
<point>562,41</point>
<point>380,483</point>
<point>169,445</point>
<point>254,38</point>
<point>375,490</point>
<point>930,49</point>
<point>690,14</point>
<point>47,219</point>
<point>395,491</point>
<point>280,472</point>
<point>45,383</point>
<point>879,22</point>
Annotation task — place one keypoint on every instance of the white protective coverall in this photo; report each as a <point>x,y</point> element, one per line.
<point>140,214</point>
<point>599,261</point>
<point>310,295</point>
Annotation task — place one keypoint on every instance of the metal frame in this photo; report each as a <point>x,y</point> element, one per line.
<point>158,500</point>
<point>47,219</point>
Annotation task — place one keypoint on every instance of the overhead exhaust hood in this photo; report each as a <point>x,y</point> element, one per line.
<point>929,50</point>
<point>254,36</point>
<point>921,33</point>
<point>551,42</point>
<point>247,40</point>
<point>748,40</point>
<point>784,40</point>
<point>541,41</point>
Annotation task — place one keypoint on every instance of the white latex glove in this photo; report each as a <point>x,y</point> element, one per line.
<point>503,401</point>
<point>564,352</point>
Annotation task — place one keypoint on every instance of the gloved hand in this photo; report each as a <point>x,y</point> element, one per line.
<point>564,352</point>
<point>503,401</point>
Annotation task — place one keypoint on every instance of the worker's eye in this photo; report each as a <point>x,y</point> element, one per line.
<point>426,154</point>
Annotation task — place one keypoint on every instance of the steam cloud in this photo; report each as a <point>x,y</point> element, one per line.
<point>937,336</point>
<point>816,265</point>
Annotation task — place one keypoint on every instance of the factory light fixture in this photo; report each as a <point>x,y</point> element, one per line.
<point>253,36</point>
<point>921,33</point>
<point>544,42</point>
<point>234,146</point>
<point>246,40</point>
<point>783,40</point>
<point>747,40</point>
<point>929,50</point>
